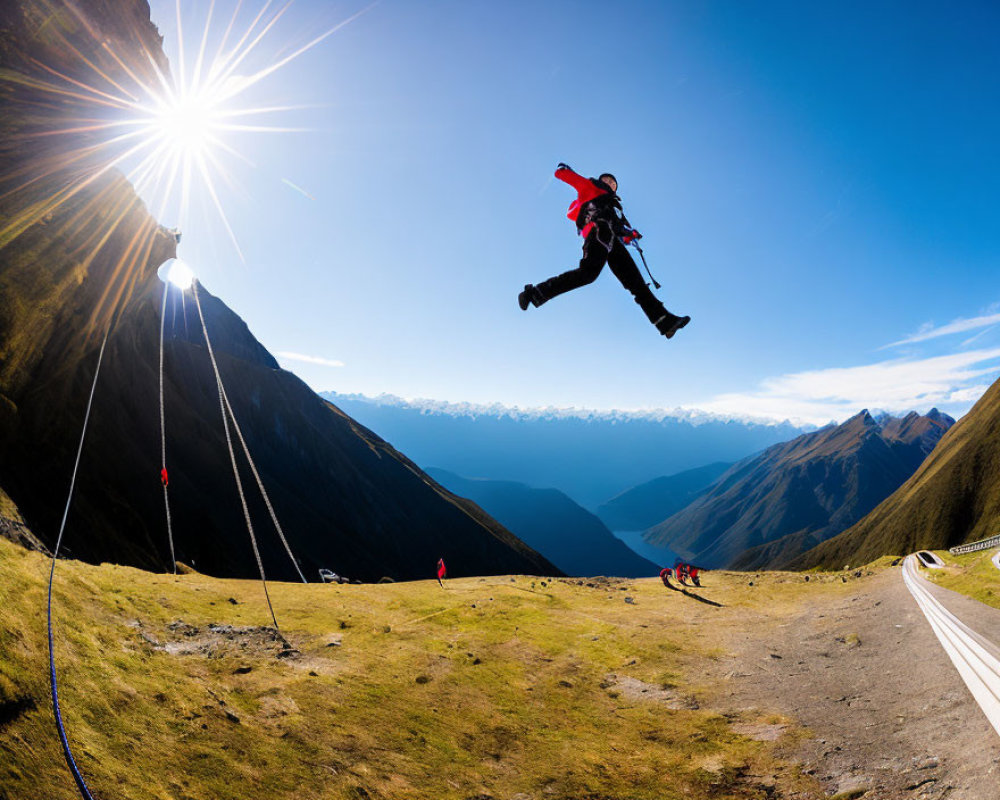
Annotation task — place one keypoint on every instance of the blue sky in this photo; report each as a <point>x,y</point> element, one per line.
<point>817,185</point>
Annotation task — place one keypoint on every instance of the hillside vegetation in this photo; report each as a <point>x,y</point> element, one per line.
<point>770,508</point>
<point>971,574</point>
<point>953,498</point>
<point>490,687</point>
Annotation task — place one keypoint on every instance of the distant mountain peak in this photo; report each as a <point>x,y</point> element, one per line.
<point>769,508</point>
<point>691,416</point>
<point>953,498</point>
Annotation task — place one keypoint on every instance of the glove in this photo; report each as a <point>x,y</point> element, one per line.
<point>561,165</point>
<point>631,236</point>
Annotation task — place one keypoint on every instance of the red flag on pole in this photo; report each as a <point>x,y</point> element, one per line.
<point>442,571</point>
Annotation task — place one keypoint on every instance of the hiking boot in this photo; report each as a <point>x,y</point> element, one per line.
<point>531,295</point>
<point>524,298</point>
<point>669,324</point>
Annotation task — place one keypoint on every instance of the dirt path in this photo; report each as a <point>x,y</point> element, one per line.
<point>867,676</point>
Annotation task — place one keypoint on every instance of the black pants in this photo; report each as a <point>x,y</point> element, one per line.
<point>596,254</point>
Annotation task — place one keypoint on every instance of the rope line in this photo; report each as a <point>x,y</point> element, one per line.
<point>232,453</point>
<point>81,784</point>
<point>163,435</point>
<point>260,485</point>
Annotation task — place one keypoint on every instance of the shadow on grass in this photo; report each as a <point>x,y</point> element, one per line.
<point>697,597</point>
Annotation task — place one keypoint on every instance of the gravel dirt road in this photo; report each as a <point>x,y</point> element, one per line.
<point>889,715</point>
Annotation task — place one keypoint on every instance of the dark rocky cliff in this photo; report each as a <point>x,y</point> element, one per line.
<point>78,255</point>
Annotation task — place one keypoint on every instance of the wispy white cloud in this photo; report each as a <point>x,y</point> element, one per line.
<point>979,335</point>
<point>956,326</point>
<point>819,396</point>
<point>323,362</point>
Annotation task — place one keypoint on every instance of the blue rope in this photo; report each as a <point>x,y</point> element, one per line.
<point>81,784</point>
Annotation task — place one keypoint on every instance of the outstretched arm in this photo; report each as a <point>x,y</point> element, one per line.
<point>566,175</point>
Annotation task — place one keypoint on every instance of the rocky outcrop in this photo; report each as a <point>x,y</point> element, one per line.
<point>78,256</point>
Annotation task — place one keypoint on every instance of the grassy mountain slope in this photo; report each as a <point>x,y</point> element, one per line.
<point>807,490</point>
<point>954,497</point>
<point>489,687</point>
<point>548,521</point>
<point>646,505</point>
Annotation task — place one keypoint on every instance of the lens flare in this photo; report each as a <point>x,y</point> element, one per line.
<point>178,273</point>
<point>167,129</point>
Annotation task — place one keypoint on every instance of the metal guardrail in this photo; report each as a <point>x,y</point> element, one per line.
<point>971,547</point>
<point>977,664</point>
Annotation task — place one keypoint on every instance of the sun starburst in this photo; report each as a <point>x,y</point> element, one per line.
<point>168,129</point>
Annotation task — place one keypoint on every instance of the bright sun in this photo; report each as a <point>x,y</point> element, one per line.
<point>170,132</point>
<point>188,125</point>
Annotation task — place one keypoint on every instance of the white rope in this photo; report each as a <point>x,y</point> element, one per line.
<point>79,451</point>
<point>163,434</point>
<point>260,485</point>
<point>232,454</point>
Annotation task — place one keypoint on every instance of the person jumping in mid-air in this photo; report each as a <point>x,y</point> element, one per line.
<point>597,212</point>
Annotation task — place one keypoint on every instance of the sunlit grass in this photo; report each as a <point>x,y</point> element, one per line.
<point>971,574</point>
<point>489,686</point>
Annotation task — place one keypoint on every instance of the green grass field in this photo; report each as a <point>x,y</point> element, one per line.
<point>491,687</point>
<point>972,574</point>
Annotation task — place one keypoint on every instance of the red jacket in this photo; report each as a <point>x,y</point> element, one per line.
<point>589,190</point>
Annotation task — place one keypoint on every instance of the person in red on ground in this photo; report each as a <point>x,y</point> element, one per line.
<point>665,577</point>
<point>684,571</point>
<point>597,212</point>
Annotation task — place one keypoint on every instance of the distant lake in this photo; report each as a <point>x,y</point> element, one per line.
<point>658,555</point>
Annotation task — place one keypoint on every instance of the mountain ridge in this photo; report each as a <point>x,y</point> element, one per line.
<point>547,520</point>
<point>591,459</point>
<point>953,497</point>
<point>644,506</point>
<point>766,508</point>
<point>79,253</point>
<point>459,408</point>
